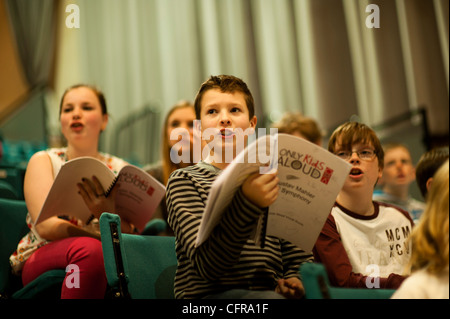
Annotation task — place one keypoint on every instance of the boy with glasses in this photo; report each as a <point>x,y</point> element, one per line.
<point>363,243</point>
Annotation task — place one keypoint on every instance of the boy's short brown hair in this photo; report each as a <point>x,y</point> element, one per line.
<point>226,84</point>
<point>428,164</point>
<point>351,133</point>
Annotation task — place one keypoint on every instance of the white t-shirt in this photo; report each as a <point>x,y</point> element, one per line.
<point>379,240</point>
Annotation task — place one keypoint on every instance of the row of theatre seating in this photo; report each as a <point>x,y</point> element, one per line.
<point>137,266</point>
<point>13,161</point>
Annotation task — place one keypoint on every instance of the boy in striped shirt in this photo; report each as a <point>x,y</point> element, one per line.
<point>228,264</point>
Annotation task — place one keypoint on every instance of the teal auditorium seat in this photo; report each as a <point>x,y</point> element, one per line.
<point>317,286</point>
<point>154,227</point>
<point>7,191</point>
<point>137,266</point>
<point>11,181</point>
<point>12,228</point>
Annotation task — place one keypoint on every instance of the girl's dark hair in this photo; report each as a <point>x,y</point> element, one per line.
<point>98,93</point>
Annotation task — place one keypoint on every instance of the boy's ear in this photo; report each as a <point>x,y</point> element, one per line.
<point>380,177</point>
<point>197,125</point>
<point>253,122</point>
<point>429,182</point>
<point>197,132</point>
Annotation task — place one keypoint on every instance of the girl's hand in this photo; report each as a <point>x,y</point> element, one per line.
<point>93,195</point>
<point>291,288</point>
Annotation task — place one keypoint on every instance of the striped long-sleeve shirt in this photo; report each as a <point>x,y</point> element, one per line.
<point>228,259</point>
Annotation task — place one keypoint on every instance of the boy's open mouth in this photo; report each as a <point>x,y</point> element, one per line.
<point>356,171</point>
<point>226,133</point>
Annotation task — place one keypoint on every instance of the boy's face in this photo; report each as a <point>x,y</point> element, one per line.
<point>398,168</point>
<point>364,173</point>
<point>225,113</point>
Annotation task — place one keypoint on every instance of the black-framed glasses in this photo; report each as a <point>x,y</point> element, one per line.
<point>366,154</point>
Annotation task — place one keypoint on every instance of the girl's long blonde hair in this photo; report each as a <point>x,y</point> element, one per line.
<point>430,238</point>
<point>167,165</point>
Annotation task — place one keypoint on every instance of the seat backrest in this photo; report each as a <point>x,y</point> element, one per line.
<point>13,175</point>
<point>12,228</point>
<point>7,191</point>
<point>152,264</point>
<point>315,281</point>
<point>317,286</point>
<point>148,263</point>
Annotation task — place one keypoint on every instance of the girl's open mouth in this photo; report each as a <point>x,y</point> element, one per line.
<point>76,126</point>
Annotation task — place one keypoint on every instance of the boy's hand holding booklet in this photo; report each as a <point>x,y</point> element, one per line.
<point>135,200</point>
<point>310,180</point>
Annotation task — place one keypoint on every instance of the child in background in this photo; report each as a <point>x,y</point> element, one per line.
<point>398,174</point>
<point>363,243</point>
<point>428,164</point>
<point>429,257</point>
<point>301,126</point>
<point>57,242</point>
<point>180,117</point>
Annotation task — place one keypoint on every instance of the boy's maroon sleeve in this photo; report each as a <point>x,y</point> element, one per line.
<point>329,251</point>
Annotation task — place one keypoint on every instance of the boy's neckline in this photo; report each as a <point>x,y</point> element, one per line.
<point>209,166</point>
<point>209,160</point>
<point>358,216</point>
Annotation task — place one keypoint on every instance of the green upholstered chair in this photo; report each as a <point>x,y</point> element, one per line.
<point>12,228</point>
<point>317,286</point>
<point>154,227</point>
<point>137,266</point>
<point>7,191</point>
<point>13,176</point>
